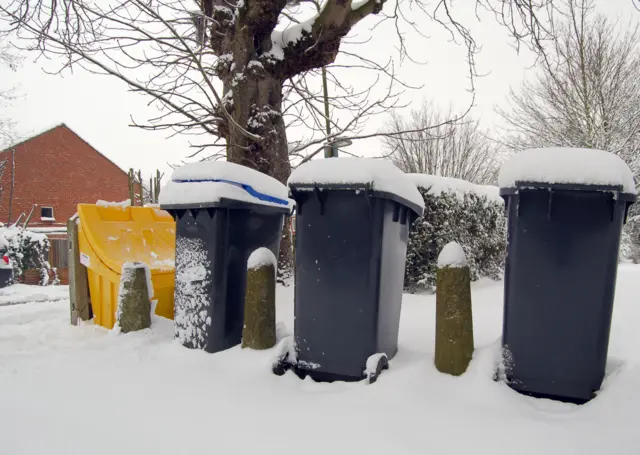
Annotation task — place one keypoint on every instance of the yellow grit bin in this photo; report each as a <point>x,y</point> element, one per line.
<point>111,235</point>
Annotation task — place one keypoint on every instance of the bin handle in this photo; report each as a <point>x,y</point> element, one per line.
<point>248,188</point>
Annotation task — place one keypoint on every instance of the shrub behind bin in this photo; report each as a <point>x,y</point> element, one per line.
<point>456,210</point>
<point>27,251</point>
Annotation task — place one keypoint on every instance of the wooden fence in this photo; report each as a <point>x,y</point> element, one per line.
<point>59,258</point>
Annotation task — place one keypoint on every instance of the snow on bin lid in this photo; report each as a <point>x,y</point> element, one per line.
<point>210,181</point>
<point>436,185</point>
<point>567,165</point>
<point>380,174</point>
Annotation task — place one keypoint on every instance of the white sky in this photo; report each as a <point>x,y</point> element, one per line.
<point>98,108</point>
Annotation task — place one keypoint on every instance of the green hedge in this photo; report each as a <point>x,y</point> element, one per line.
<point>456,210</point>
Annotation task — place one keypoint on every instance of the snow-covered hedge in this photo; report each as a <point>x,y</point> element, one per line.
<point>630,241</point>
<point>27,250</point>
<point>456,210</point>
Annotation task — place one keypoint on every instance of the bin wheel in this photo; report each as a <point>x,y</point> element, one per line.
<point>285,353</point>
<point>302,374</point>
<point>280,367</point>
<point>381,364</point>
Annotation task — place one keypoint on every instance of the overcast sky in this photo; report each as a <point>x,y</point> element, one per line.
<point>99,108</point>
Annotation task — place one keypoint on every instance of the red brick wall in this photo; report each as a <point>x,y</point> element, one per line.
<point>58,169</point>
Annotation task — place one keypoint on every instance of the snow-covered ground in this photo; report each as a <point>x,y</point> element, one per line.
<point>24,293</point>
<point>76,390</point>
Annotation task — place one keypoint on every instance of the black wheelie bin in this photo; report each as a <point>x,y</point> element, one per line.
<point>223,212</point>
<point>566,209</point>
<point>352,225</point>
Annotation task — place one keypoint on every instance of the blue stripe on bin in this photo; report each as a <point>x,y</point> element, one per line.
<point>248,188</point>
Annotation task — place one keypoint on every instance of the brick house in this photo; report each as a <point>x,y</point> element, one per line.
<point>51,173</point>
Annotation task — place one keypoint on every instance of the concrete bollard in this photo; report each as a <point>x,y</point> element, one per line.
<point>259,331</point>
<point>134,305</point>
<point>454,320</point>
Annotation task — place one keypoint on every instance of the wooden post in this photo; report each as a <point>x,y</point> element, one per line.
<point>454,321</point>
<point>132,196</point>
<point>141,189</point>
<point>157,189</point>
<point>78,280</point>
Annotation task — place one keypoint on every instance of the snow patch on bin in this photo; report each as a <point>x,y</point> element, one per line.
<point>191,295</point>
<point>558,165</point>
<point>202,184</point>
<point>373,174</point>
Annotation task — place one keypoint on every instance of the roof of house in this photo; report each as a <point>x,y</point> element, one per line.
<point>56,127</point>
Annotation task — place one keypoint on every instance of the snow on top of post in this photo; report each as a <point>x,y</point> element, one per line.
<point>129,267</point>
<point>382,175</point>
<point>452,256</point>
<point>261,257</point>
<point>437,185</point>
<point>567,165</point>
<point>210,181</point>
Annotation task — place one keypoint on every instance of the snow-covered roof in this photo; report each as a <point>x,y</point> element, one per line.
<point>377,174</point>
<point>436,185</point>
<point>568,166</point>
<point>28,137</point>
<point>210,181</point>
<point>22,138</point>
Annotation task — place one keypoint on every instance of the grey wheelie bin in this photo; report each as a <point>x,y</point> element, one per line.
<point>223,212</point>
<point>352,224</point>
<point>566,209</point>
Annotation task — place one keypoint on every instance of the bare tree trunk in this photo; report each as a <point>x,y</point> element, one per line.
<point>255,103</point>
<point>258,104</point>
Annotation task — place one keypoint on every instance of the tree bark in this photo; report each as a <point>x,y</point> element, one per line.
<point>253,125</point>
<point>257,105</point>
<point>253,97</point>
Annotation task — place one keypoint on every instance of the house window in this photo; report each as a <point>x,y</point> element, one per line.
<point>46,214</point>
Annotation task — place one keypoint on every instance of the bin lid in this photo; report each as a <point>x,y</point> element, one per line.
<point>222,184</point>
<point>118,234</point>
<point>377,175</point>
<point>567,168</point>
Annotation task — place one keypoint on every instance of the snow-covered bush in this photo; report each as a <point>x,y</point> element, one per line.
<point>630,240</point>
<point>456,211</point>
<point>28,250</point>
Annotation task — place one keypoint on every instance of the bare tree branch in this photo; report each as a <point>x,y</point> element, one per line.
<point>455,147</point>
<point>587,94</point>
